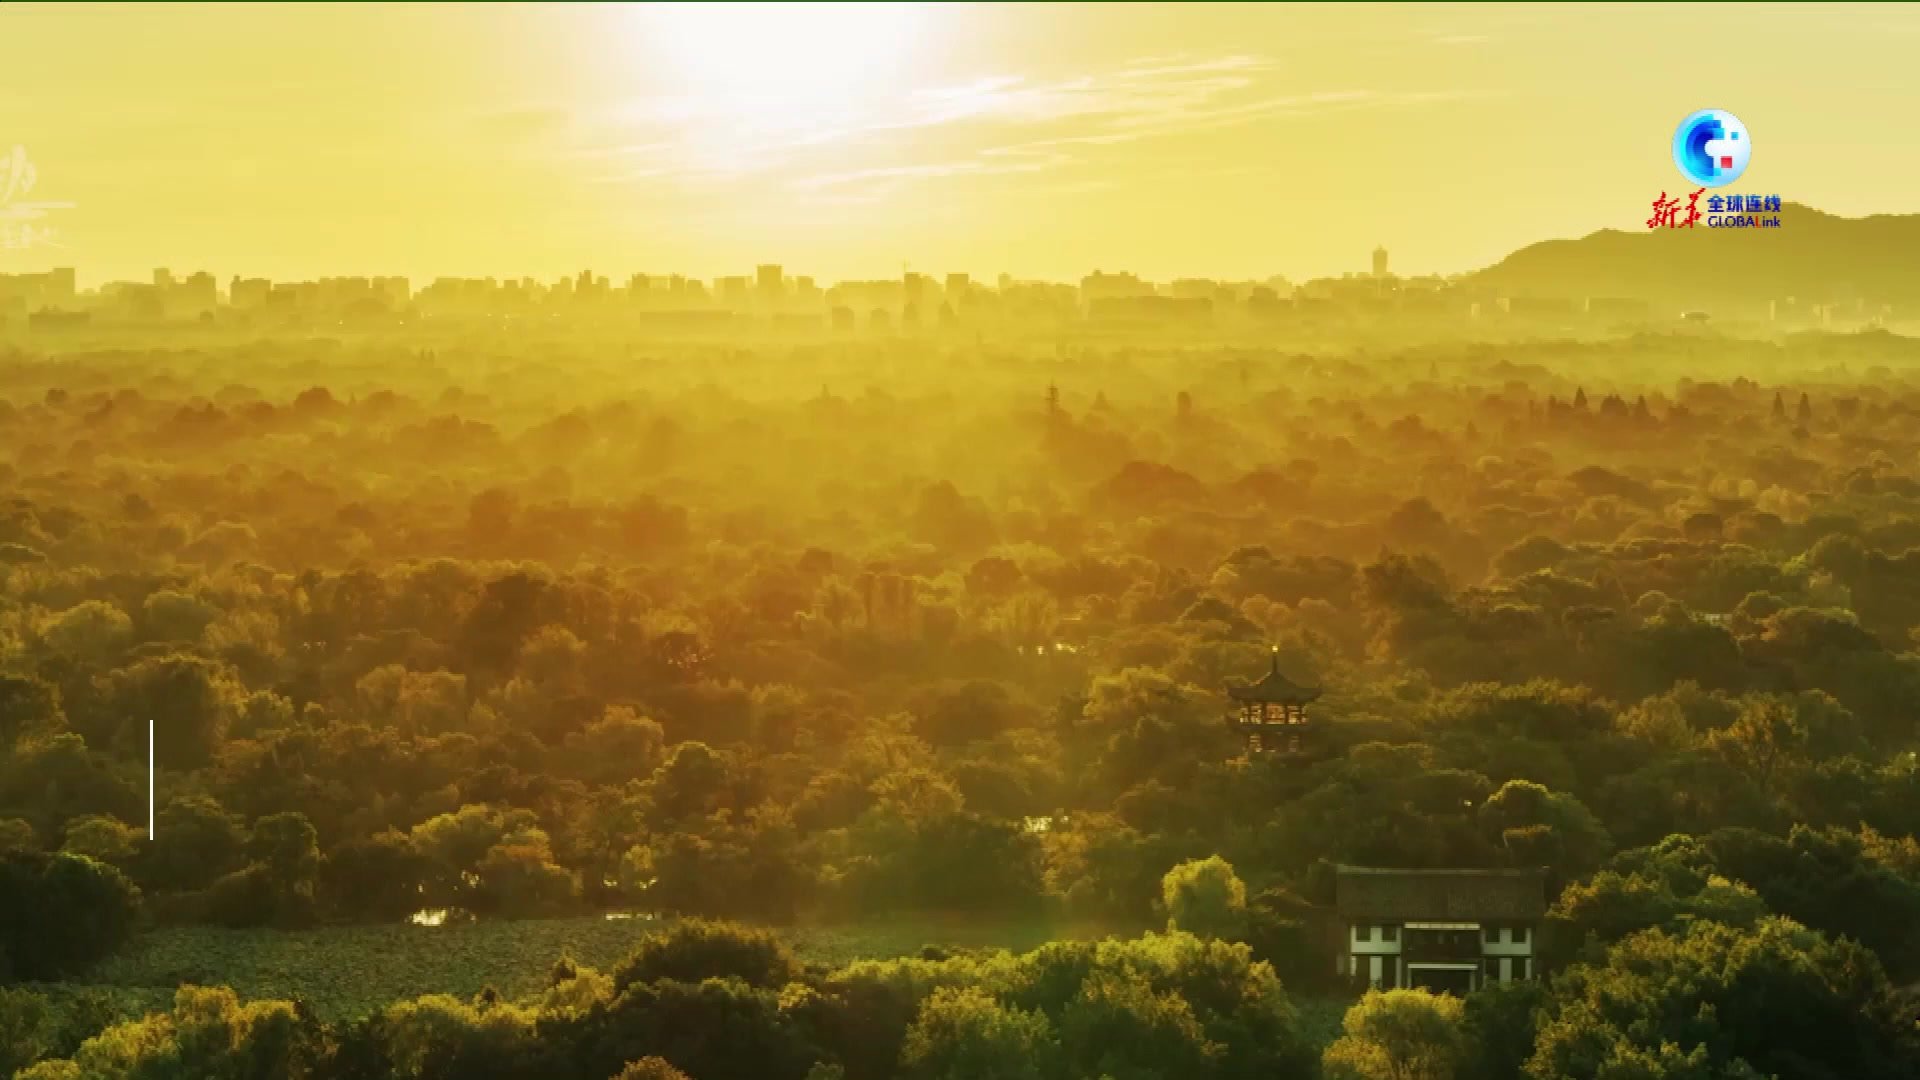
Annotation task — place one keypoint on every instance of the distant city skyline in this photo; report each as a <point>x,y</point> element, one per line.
<point>1224,141</point>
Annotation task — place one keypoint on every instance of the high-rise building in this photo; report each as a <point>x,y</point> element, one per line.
<point>1379,262</point>
<point>246,293</point>
<point>60,287</point>
<point>198,294</point>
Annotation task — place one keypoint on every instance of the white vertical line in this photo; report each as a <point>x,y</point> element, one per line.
<point>150,780</point>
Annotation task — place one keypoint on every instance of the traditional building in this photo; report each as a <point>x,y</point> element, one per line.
<point>1450,931</point>
<point>1271,715</point>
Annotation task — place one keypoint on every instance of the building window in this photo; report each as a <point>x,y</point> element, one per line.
<point>1493,969</point>
<point>1389,972</point>
<point>1363,933</point>
<point>1390,933</point>
<point>1519,935</point>
<point>1493,935</point>
<point>1522,967</point>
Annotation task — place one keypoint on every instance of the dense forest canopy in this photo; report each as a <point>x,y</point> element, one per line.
<point>533,623</point>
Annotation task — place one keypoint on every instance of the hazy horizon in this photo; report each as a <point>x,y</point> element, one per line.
<point>848,141</point>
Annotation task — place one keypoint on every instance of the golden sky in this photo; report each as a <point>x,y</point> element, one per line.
<point>846,140</point>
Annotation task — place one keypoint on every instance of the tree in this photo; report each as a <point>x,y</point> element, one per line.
<point>1239,1004</point>
<point>277,884</point>
<point>452,846</point>
<point>170,615</point>
<point>16,834</point>
<point>59,913</point>
<point>1828,880</point>
<point>438,1037</point>
<point>693,781</point>
<point>962,1033</point>
<point>1399,1035</point>
<point>1499,1024</point>
<point>287,846</point>
<point>1120,1026</point>
<point>208,1033</point>
<point>103,839</point>
<point>196,842</point>
<point>651,1068</point>
<point>618,747</point>
<point>1537,827</point>
<point>26,1029</point>
<point>1666,886</point>
<point>952,714</point>
<point>377,877</point>
<point>719,1029</point>
<point>518,876</point>
<point>696,949</point>
<point>1716,1001</point>
<point>90,631</point>
<point>190,700</point>
<point>1206,898</point>
<point>29,707</point>
<point>1767,735</point>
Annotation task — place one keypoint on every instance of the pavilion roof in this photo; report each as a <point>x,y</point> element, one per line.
<point>1274,689</point>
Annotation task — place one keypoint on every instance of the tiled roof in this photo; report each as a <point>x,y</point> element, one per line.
<point>1275,689</point>
<point>1369,892</point>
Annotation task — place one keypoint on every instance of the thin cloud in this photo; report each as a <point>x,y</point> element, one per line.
<point>1015,125</point>
<point>1054,153</point>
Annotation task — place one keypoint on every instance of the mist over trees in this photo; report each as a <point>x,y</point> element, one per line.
<point>751,634</point>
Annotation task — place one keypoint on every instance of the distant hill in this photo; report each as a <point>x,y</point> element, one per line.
<point>1813,256</point>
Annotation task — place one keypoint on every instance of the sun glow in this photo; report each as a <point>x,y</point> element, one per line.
<point>791,66</point>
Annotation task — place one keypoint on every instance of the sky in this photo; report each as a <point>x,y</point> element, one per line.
<point>852,140</point>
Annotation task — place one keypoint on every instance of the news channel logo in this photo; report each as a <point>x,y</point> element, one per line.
<point>1712,147</point>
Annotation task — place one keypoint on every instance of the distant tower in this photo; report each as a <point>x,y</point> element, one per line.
<point>1379,262</point>
<point>1270,716</point>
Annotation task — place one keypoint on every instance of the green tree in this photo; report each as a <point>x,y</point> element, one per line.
<point>962,1033</point>
<point>651,1068</point>
<point>376,877</point>
<point>1399,1035</point>
<point>1206,898</point>
<point>1500,1022</point>
<point>695,949</point>
<point>16,834</point>
<point>196,842</point>
<point>718,1029</point>
<point>174,616</point>
<point>59,913</point>
<point>1538,827</point>
<point>103,839</point>
<point>191,701</point>
<point>91,631</point>
<point>277,884</point>
<point>208,1034</point>
<point>1829,880</point>
<point>1120,1026</point>
<point>29,708</point>
<point>27,1029</point>
<point>1716,1001</point>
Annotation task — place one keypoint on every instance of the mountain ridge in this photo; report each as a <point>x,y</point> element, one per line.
<point>1813,257</point>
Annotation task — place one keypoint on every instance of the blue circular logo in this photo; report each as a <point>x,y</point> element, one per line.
<point>1712,147</point>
